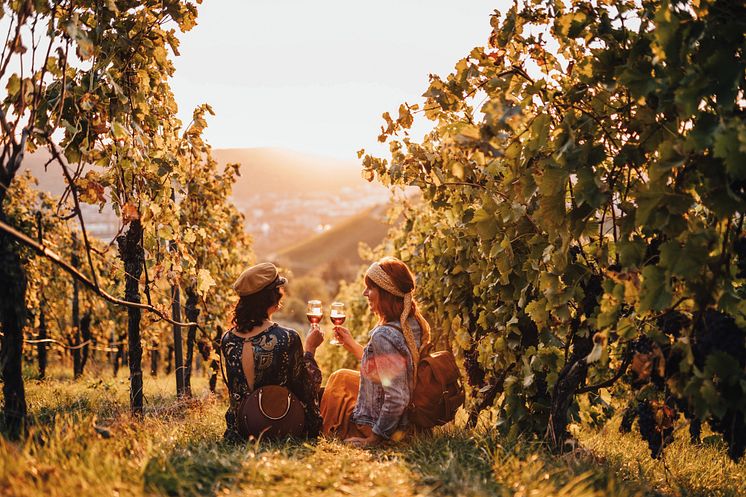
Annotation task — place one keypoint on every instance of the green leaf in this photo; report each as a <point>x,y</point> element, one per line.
<point>729,148</point>
<point>631,252</point>
<point>487,229</point>
<point>685,261</point>
<point>724,366</point>
<point>654,292</point>
<point>539,133</point>
<point>711,396</point>
<point>14,84</point>
<point>537,312</point>
<point>119,131</point>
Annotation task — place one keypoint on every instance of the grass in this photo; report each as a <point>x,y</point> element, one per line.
<point>697,470</point>
<point>82,442</point>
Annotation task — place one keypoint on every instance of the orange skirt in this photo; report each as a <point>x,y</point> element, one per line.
<point>337,405</point>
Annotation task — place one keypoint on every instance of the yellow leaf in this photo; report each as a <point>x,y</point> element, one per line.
<point>204,281</point>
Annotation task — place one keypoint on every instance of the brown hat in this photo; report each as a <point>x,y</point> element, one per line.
<point>257,278</point>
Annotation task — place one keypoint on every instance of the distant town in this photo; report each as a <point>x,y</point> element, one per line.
<point>285,196</point>
<point>275,220</point>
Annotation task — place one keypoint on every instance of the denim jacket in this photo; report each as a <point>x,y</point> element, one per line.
<point>386,379</point>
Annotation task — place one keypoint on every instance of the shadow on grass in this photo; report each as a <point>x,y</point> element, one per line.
<point>194,470</point>
<point>46,415</point>
<point>461,462</point>
<point>206,467</point>
<point>453,462</point>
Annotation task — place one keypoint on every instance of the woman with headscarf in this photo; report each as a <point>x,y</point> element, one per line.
<point>366,408</point>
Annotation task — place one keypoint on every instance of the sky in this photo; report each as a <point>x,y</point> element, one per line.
<point>315,76</point>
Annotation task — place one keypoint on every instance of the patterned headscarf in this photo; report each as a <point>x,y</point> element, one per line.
<point>381,278</point>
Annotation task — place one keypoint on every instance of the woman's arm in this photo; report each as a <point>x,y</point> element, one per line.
<point>304,381</point>
<point>349,343</point>
<point>314,338</point>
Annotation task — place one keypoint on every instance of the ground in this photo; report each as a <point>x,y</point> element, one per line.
<point>83,442</point>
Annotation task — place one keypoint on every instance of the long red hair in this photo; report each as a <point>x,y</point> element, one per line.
<point>391,306</point>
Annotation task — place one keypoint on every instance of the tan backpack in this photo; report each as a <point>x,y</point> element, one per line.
<point>438,390</point>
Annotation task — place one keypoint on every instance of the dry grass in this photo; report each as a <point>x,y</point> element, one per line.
<point>83,442</point>
<point>685,469</point>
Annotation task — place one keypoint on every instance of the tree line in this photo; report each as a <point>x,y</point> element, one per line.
<point>88,81</point>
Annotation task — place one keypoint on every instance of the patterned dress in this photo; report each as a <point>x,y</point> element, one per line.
<point>278,360</point>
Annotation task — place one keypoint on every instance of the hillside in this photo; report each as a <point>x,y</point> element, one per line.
<point>263,170</point>
<point>337,246</point>
<point>286,196</point>
<point>51,180</point>
<point>289,196</point>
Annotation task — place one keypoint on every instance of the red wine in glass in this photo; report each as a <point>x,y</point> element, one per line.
<point>314,312</point>
<point>337,316</point>
<point>315,318</point>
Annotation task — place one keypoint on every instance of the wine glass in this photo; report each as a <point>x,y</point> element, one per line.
<point>337,315</point>
<point>314,313</point>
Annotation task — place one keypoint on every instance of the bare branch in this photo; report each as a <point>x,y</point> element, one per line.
<point>16,157</point>
<point>74,191</point>
<point>54,257</point>
<point>604,384</point>
<point>6,61</point>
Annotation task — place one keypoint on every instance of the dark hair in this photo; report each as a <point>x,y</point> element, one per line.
<point>252,309</point>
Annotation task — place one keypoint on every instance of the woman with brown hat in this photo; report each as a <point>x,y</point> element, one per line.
<point>259,352</point>
<point>367,407</point>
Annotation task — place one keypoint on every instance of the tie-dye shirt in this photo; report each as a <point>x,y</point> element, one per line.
<point>386,379</point>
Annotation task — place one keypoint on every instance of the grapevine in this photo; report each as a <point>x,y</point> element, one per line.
<point>577,176</point>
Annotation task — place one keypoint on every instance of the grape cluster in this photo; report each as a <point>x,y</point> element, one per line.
<point>647,360</point>
<point>474,372</point>
<point>592,289</point>
<point>529,331</point>
<point>671,323</point>
<point>628,417</point>
<point>652,251</point>
<point>695,430</point>
<point>656,436</point>
<point>642,345</point>
<point>717,332</point>
<point>733,428</point>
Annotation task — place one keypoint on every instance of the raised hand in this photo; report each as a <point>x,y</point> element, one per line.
<point>314,338</point>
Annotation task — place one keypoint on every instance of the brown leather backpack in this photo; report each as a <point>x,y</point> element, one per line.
<point>438,390</point>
